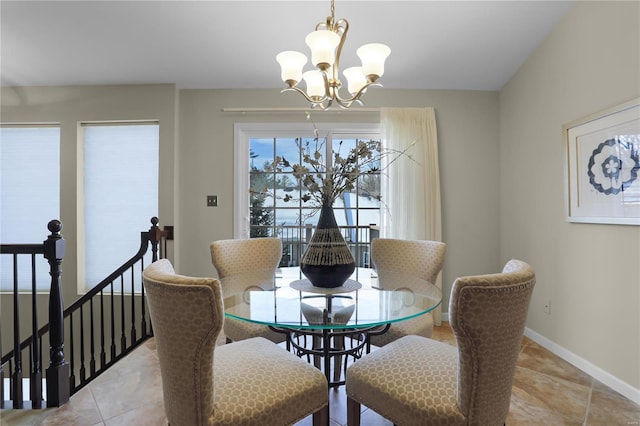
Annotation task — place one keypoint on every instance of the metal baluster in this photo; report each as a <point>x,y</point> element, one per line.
<point>113,327</point>
<point>103,355</point>
<point>16,384</point>
<point>82,369</point>
<point>72,379</point>
<point>123,337</point>
<point>92,361</point>
<point>10,375</point>
<point>133,307</point>
<point>36,373</point>
<point>40,350</point>
<point>163,252</point>
<point>29,364</point>
<point>143,323</point>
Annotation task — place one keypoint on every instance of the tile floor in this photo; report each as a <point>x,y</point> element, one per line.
<point>546,391</point>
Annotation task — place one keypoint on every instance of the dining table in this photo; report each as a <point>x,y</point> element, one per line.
<point>328,324</point>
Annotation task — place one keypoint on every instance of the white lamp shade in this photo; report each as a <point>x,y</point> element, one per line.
<point>291,64</point>
<point>355,79</point>
<point>315,83</point>
<point>373,56</point>
<point>323,45</point>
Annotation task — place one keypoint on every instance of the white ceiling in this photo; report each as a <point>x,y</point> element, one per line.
<point>473,45</point>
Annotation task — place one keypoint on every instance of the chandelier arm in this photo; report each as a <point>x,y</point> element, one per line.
<point>321,105</point>
<point>327,87</point>
<point>329,102</point>
<point>344,104</point>
<point>314,102</point>
<point>356,96</point>
<point>303,93</point>
<point>343,38</point>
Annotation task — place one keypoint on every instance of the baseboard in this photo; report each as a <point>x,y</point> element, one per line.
<point>594,371</point>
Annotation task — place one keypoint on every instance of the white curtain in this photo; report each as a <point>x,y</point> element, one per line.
<point>411,195</point>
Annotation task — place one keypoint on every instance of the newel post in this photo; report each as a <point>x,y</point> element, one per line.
<point>155,235</point>
<point>58,386</point>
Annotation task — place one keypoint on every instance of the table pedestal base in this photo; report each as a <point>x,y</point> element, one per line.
<point>324,345</point>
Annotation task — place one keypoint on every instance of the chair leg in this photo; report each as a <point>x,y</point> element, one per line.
<point>353,412</point>
<point>321,418</point>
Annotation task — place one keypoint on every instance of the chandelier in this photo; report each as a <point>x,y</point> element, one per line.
<point>323,83</point>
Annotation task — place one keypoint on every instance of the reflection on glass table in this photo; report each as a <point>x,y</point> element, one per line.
<point>325,324</point>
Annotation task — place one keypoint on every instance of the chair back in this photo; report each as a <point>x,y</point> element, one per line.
<point>187,316</point>
<point>487,314</point>
<point>422,258</point>
<point>233,257</point>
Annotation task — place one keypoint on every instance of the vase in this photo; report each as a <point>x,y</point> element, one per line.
<point>327,262</point>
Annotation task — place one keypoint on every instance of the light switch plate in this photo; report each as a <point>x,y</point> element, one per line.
<point>212,201</point>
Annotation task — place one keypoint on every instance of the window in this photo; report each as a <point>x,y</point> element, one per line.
<point>29,197</point>
<point>120,193</point>
<point>274,205</point>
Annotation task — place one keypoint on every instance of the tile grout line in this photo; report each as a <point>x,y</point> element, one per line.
<point>586,414</point>
<point>95,401</point>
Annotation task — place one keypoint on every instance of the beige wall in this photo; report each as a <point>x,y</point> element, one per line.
<point>590,272</point>
<point>468,143</point>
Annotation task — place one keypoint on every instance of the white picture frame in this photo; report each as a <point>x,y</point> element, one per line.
<point>603,166</point>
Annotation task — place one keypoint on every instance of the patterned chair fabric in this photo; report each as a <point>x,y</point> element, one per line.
<point>250,261</point>
<point>253,382</point>
<point>419,381</point>
<point>233,257</point>
<point>422,258</point>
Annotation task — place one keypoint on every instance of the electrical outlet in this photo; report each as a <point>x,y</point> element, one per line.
<point>547,307</point>
<point>212,201</point>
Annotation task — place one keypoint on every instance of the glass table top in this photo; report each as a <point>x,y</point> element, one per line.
<point>369,298</point>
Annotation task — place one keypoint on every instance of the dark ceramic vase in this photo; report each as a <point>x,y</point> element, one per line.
<point>327,262</point>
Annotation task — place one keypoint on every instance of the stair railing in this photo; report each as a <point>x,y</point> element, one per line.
<point>57,374</point>
<point>82,321</point>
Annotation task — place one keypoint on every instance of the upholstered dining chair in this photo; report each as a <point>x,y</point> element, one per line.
<point>421,258</point>
<point>241,258</point>
<point>251,382</point>
<point>419,381</point>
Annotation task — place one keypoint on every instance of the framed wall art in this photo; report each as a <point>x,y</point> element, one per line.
<point>603,166</point>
